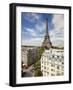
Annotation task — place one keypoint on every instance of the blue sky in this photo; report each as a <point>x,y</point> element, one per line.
<point>33,28</point>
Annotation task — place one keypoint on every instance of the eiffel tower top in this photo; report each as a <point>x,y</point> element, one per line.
<point>47,43</point>
<point>47,34</point>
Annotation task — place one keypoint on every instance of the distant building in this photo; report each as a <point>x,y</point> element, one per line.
<point>24,53</point>
<point>32,56</point>
<point>29,55</point>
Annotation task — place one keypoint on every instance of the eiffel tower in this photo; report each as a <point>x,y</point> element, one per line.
<point>47,43</point>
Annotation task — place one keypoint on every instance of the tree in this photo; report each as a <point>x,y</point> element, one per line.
<point>37,64</point>
<point>38,73</point>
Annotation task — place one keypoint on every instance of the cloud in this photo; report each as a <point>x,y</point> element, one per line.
<point>57,37</point>
<point>58,21</point>
<point>37,31</point>
<point>57,34</point>
<point>40,26</point>
<point>35,16</point>
<point>31,32</point>
<point>32,17</point>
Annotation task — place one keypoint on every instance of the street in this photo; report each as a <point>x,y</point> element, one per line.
<point>29,72</point>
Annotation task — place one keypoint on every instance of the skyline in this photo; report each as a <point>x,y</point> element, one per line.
<point>33,27</point>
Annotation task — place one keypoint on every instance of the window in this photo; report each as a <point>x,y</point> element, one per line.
<point>58,57</point>
<point>47,73</point>
<point>44,67</point>
<point>58,67</point>
<point>58,73</point>
<point>62,56</point>
<point>42,61</point>
<point>52,70</point>
<point>52,56</point>
<point>52,74</point>
<point>62,73</point>
<point>52,65</point>
<point>62,67</point>
<point>62,62</point>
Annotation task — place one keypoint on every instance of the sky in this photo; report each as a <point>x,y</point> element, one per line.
<point>33,27</point>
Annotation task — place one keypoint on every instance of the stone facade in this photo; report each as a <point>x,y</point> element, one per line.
<point>52,62</point>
